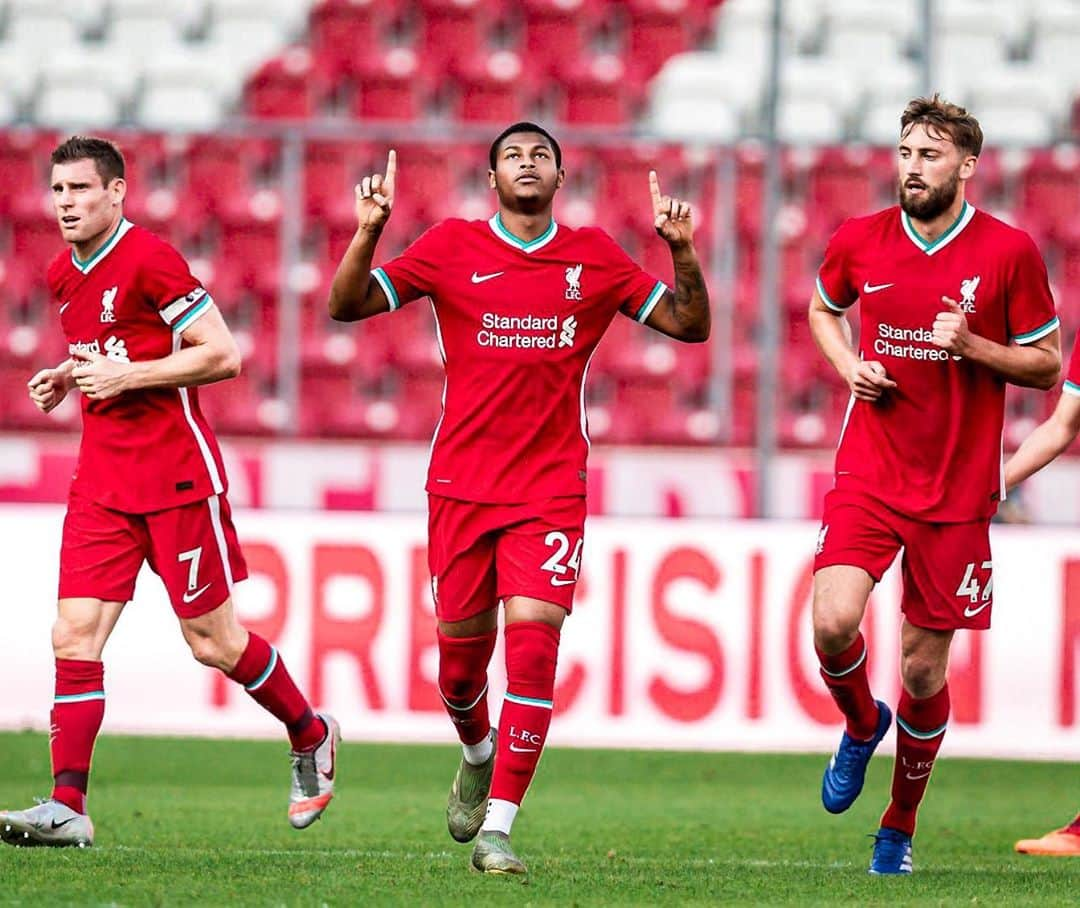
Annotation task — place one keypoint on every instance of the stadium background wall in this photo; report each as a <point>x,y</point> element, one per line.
<point>690,634</point>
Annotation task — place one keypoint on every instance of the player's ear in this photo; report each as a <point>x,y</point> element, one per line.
<point>117,190</point>
<point>560,178</point>
<point>967,168</point>
<point>491,178</point>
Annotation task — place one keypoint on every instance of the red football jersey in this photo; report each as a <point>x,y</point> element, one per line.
<point>1072,376</point>
<point>517,324</point>
<point>151,449</point>
<point>931,447</point>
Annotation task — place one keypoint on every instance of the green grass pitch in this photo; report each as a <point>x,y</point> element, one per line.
<point>203,822</point>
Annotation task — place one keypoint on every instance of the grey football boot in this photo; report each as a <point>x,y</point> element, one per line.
<point>493,854</point>
<point>467,803</point>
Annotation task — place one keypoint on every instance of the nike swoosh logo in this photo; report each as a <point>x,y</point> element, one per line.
<point>916,778</point>
<point>56,825</point>
<point>191,597</point>
<point>62,308</point>
<point>874,288</point>
<point>480,278</point>
<point>522,750</point>
<point>555,581</point>
<point>971,613</point>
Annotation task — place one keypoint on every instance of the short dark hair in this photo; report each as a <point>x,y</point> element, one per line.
<point>945,118</point>
<point>107,159</point>
<point>524,126</point>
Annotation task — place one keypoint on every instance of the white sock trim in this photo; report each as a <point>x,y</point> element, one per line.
<point>500,816</point>
<point>480,752</point>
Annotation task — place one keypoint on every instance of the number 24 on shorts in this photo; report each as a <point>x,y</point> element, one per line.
<point>969,586</point>
<point>555,565</point>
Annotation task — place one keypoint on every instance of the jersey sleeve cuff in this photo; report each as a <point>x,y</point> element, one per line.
<point>176,310</point>
<point>827,300</point>
<point>650,302</point>
<point>1071,387</point>
<point>193,314</point>
<point>387,288</point>
<point>1029,337</point>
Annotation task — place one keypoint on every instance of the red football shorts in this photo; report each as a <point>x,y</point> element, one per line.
<point>946,566</point>
<point>192,548</point>
<point>481,553</point>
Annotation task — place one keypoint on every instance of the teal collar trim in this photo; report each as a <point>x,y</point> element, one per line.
<point>118,234</point>
<point>499,229</point>
<point>967,212</point>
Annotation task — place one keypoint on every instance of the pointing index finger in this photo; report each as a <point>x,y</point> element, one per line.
<point>391,170</point>
<point>654,190</point>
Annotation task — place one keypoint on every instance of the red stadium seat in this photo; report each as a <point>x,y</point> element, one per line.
<point>554,33</point>
<point>495,90</point>
<point>388,87</point>
<point>1050,189</point>
<point>284,87</point>
<point>452,33</point>
<point>343,32</point>
<point>596,93</point>
<point>659,29</point>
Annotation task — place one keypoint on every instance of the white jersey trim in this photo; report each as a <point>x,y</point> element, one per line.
<point>446,381</point>
<point>214,503</point>
<point>1039,333</point>
<point>200,439</point>
<point>581,400</point>
<point>178,307</point>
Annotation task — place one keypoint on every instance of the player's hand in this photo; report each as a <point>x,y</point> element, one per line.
<point>375,196</point>
<point>47,388</point>
<point>951,328</point>
<point>99,377</point>
<point>868,381</point>
<point>672,218</point>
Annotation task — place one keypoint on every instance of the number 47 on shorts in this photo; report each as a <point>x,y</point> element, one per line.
<point>969,586</point>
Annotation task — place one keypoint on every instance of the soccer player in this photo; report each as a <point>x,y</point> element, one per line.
<point>150,486</point>
<point>1047,441</point>
<point>955,304</point>
<point>520,304</point>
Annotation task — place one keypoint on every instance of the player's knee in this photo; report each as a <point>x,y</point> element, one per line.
<point>923,677</point>
<point>834,631</point>
<point>73,639</point>
<point>211,652</point>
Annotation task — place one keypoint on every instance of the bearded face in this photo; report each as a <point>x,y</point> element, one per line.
<point>924,201</point>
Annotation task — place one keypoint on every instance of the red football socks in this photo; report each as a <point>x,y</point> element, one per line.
<point>463,683</point>
<point>532,649</point>
<point>845,676</point>
<point>78,708</point>
<point>920,729</point>
<point>265,678</point>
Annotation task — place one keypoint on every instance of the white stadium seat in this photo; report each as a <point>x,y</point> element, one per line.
<point>9,107</point>
<point>41,34</point>
<point>687,119</point>
<point>809,121</point>
<point>18,72</point>
<point>86,64</point>
<point>248,40</point>
<point>1020,85</point>
<point>1015,125</point>
<point>179,107</point>
<point>291,15</point>
<point>77,107</point>
<point>703,76</point>
<point>141,36</point>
